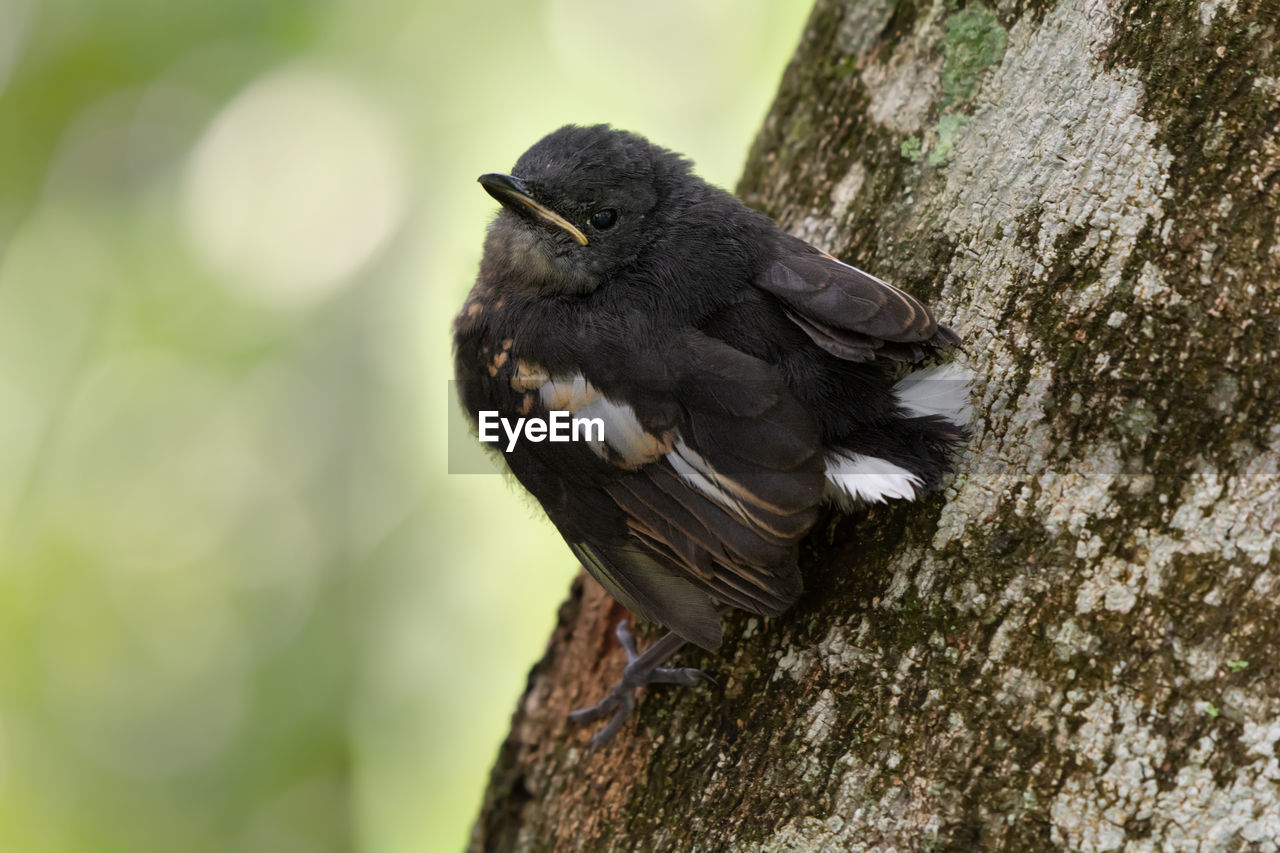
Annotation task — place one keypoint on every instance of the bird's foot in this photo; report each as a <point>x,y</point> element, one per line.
<point>641,669</point>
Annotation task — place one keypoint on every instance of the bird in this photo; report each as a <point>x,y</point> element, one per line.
<point>745,382</point>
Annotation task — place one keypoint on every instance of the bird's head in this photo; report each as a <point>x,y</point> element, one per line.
<point>580,204</point>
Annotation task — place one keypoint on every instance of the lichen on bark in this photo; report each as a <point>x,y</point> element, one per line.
<point>1072,646</point>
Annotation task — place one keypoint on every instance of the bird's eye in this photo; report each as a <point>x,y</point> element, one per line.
<point>603,220</point>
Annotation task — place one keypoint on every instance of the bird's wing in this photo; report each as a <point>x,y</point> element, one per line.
<point>849,313</point>
<point>710,477</point>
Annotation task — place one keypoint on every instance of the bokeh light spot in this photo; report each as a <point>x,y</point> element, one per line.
<point>296,185</point>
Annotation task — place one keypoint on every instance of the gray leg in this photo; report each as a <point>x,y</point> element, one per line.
<point>641,669</point>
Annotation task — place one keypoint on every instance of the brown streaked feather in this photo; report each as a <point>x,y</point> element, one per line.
<point>728,559</point>
<point>755,507</point>
<point>662,499</point>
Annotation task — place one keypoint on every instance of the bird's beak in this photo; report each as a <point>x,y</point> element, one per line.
<point>511,192</point>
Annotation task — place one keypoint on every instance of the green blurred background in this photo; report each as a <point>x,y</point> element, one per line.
<point>243,605</point>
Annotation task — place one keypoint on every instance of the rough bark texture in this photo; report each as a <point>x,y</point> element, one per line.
<point>1074,646</point>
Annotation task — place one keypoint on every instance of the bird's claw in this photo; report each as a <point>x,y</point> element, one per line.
<point>641,670</point>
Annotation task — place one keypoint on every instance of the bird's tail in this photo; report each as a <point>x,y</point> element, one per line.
<point>940,394</point>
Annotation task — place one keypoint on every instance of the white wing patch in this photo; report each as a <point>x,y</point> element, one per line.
<point>853,478</point>
<point>942,390</point>
<point>631,444</point>
<point>622,431</point>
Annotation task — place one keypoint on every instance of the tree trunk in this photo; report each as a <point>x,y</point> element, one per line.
<point>1073,646</point>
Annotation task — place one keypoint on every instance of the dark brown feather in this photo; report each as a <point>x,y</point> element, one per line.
<point>849,313</point>
<point>724,511</point>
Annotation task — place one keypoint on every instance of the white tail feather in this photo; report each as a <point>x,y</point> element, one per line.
<point>941,390</point>
<point>853,478</point>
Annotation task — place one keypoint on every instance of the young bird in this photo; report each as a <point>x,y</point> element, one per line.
<point>743,378</point>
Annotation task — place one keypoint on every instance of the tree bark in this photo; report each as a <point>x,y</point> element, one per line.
<point>1073,646</point>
